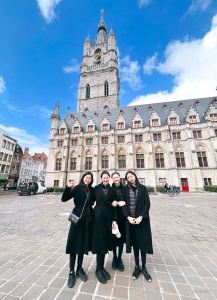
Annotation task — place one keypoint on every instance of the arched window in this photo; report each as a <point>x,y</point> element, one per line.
<point>121,159</point>
<point>159,158</point>
<point>58,163</point>
<point>105,107</point>
<point>202,158</point>
<point>87,91</point>
<point>106,88</point>
<point>140,163</point>
<point>88,161</point>
<point>86,109</point>
<point>105,160</point>
<point>180,158</point>
<point>73,161</point>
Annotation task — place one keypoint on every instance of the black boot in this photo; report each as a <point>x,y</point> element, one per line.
<point>120,265</point>
<point>71,279</point>
<point>80,272</point>
<point>115,263</point>
<point>107,275</point>
<point>136,272</point>
<point>101,276</point>
<point>146,274</point>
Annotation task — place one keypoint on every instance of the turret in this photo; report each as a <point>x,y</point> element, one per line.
<point>87,44</point>
<point>55,118</point>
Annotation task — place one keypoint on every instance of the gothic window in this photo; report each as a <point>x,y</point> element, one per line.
<point>56,183</point>
<point>207,181</point>
<point>59,143</point>
<point>87,91</point>
<point>162,181</point>
<point>74,143</point>
<point>202,158</point>
<point>62,130</point>
<point>157,137</point>
<point>159,158</point>
<point>192,119</point>
<point>105,140</point>
<point>121,160</point>
<point>86,109</point>
<point>121,139</point>
<point>105,160</point>
<point>90,128</point>
<point>106,88</point>
<point>180,160</point>
<point>137,124</point>
<point>73,162</point>
<point>58,164</point>
<point>138,138</point>
<point>105,127</point>
<point>197,134</point>
<point>140,163</point>
<point>88,163</point>
<point>76,129</point>
<point>120,125</point>
<point>173,121</point>
<point>89,141</point>
<point>213,117</point>
<point>155,122</point>
<point>176,135</point>
<point>105,107</point>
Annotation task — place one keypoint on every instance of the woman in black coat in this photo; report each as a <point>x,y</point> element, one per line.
<point>104,221</point>
<point>138,229</point>
<point>80,237</point>
<point>118,242</point>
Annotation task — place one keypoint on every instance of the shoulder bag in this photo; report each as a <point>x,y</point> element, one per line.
<point>73,218</point>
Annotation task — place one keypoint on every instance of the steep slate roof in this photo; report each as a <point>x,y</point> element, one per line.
<point>143,111</point>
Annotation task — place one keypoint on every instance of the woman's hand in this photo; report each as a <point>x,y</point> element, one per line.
<point>121,203</point>
<point>138,220</point>
<point>72,183</point>
<point>131,220</point>
<point>114,203</point>
<point>114,224</point>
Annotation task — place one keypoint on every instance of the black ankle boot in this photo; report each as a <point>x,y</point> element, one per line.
<point>71,279</point>
<point>115,263</point>
<point>80,272</point>
<point>120,265</point>
<point>146,274</point>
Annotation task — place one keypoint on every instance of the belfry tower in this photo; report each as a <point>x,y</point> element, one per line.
<point>99,80</point>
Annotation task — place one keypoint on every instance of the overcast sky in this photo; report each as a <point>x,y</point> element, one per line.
<point>167,51</point>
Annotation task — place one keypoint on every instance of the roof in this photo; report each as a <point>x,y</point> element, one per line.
<point>144,112</point>
<point>10,138</point>
<point>40,157</point>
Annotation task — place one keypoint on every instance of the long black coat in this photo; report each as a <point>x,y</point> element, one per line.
<point>120,221</point>
<point>80,236</point>
<point>104,215</point>
<point>140,235</point>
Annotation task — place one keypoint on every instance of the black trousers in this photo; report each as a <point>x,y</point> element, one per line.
<point>120,250</point>
<point>100,260</point>
<point>136,256</point>
<point>72,259</point>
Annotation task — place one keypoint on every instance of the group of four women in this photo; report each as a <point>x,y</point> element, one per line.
<point>117,206</point>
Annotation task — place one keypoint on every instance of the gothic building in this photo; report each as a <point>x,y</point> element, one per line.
<point>174,142</point>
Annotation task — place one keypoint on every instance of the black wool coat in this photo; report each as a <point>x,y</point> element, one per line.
<point>120,221</point>
<point>80,237</point>
<point>104,215</point>
<point>138,235</point>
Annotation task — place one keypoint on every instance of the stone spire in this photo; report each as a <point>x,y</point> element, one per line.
<point>56,113</point>
<point>101,31</point>
<point>88,38</point>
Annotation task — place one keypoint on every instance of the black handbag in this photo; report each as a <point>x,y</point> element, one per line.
<point>73,218</point>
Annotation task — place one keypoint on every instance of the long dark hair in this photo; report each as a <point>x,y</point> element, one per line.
<point>82,178</point>
<point>105,172</point>
<point>131,172</point>
<point>116,174</point>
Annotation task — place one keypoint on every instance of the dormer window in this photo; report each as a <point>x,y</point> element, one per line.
<point>180,104</point>
<point>108,113</point>
<point>62,130</point>
<point>105,127</point>
<point>121,125</point>
<point>150,108</point>
<point>90,128</point>
<point>137,124</point>
<point>197,103</point>
<point>215,101</point>
<point>213,117</point>
<point>76,129</point>
<point>155,122</point>
<point>135,110</point>
<point>165,106</point>
<point>192,119</point>
<point>173,121</point>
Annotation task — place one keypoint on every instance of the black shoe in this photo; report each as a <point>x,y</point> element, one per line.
<point>107,275</point>
<point>80,272</point>
<point>71,279</point>
<point>101,276</point>
<point>115,263</point>
<point>136,272</point>
<point>146,274</point>
<point>120,265</point>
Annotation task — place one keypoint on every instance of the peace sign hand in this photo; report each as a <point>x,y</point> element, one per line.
<point>72,183</point>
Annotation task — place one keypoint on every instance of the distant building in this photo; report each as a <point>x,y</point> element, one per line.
<point>15,166</point>
<point>33,167</point>
<point>6,154</point>
<point>174,142</point>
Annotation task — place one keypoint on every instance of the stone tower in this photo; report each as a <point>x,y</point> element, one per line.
<point>99,81</point>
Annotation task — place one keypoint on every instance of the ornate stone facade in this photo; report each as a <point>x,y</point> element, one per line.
<point>174,142</point>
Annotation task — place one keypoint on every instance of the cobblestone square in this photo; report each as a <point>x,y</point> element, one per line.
<point>33,263</point>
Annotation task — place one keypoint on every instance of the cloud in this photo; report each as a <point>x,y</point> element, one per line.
<point>144,2</point>
<point>193,65</point>
<point>149,65</point>
<point>198,5</point>
<point>74,67</point>
<point>129,72</point>
<point>26,140</point>
<point>2,85</point>
<point>47,8</point>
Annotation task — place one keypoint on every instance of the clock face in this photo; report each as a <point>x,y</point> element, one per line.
<point>98,56</point>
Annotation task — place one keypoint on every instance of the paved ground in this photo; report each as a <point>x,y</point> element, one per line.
<point>33,233</point>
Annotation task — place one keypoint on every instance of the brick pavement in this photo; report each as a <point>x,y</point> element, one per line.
<point>33,264</point>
